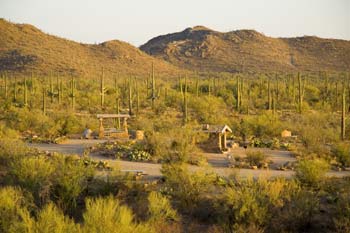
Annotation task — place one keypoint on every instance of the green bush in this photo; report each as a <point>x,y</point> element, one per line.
<point>255,158</point>
<point>160,209</point>
<point>342,153</point>
<point>70,179</point>
<point>51,219</point>
<point>108,215</point>
<point>311,172</point>
<point>14,216</point>
<point>34,173</point>
<point>186,187</point>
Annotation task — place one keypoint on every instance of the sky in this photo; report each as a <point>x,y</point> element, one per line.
<point>137,21</point>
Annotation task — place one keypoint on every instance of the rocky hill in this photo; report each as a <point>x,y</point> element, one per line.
<point>203,49</point>
<point>26,49</point>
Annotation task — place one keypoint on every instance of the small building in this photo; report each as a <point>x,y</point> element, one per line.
<point>286,134</point>
<point>217,140</point>
<point>113,132</point>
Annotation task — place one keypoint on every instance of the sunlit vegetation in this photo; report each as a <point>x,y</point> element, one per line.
<point>49,192</point>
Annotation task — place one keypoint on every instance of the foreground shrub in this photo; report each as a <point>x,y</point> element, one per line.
<point>311,172</point>
<point>342,153</point>
<point>250,203</point>
<point>34,173</point>
<point>70,179</point>
<point>107,215</point>
<point>160,208</point>
<point>51,219</point>
<point>186,187</point>
<point>14,216</point>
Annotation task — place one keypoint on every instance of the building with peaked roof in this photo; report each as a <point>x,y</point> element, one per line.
<point>217,136</point>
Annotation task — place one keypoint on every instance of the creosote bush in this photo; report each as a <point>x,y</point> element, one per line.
<point>311,172</point>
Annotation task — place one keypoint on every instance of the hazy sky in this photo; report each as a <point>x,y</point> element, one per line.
<point>137,21</point>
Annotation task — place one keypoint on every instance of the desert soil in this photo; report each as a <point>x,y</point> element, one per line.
<point>218,162</point>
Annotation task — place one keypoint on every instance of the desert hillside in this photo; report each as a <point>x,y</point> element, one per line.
<point>204,49</point>
<point>26,49</point>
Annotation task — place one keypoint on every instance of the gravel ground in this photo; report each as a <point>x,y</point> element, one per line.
<point>219,162</point>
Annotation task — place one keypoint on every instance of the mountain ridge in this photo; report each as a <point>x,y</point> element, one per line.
<point>25,49</point>
<point>244,50</point>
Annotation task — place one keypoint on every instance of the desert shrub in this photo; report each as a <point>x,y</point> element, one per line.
<point>255,158</point>
<point>11,150</point>
<point>70,179</point>
<point>205,109</point>
<point>311,172</point>
<point>108,215</point>
<point>297,214</point>
<point>34,173</point>
<point>69,124</point>
<point>186,187</point>
<point>342,217</point>
<point>250,203</point>
<point>160,209</point>
<point>13,210</point>
<point>52,219</point>
<point>264,125</point>
<point>342,153</point>
<point>6,132</point>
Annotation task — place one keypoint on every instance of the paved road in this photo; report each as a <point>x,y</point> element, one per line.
<point>218,162</point>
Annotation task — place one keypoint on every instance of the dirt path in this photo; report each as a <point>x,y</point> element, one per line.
<point>219,162</point>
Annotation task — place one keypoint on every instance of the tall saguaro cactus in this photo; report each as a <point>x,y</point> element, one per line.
<point>130,98</point>
<point>72,93</point>
<point>25,92</point>
<point>102,89</point>
<point>43,106</point>
<point>238,93</point>
<point>185,112</point>
<point>51,89</point>
<point>6,88</point>
<point>15,90</point>
<point>60,91</point>
<point>197,86</point>
<point>343,118</point>
<point>153,90</point>
<point>269,97</point>
<point>301,89</point>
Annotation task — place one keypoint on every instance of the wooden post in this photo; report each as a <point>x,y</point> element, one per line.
<point>125,125</point>
<point>225,141</point>
<point>219,142</point>
<point>101,131</point>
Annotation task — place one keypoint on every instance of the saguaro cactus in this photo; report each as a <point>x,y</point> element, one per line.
<point>137,97</point>
<point>102,89</point>
<point>25,92</point>
<point>52,94</point>
<point>43,106</point>
<point>60,91</point>
<point>238,94</point>
<point>6,88</point>
<point>72,93</point>
<point>153,90</point>
<point>185,112</point>
<point>130,98</point>
<point>301,89</point>
<point>269,97</point>
<point>197,86</point>
<point>343,118</point>
<point>15,90</point>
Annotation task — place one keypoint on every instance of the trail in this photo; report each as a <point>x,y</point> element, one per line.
<point>218,162</point>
